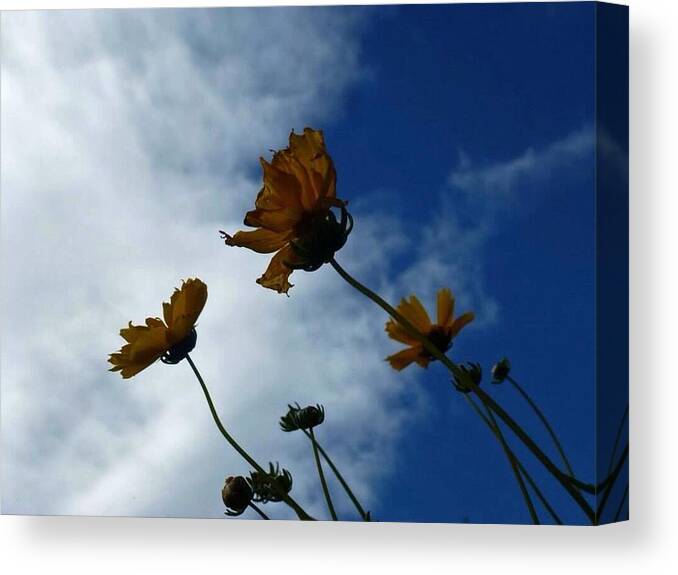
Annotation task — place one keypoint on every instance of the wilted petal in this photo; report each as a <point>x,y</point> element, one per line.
<point>276,275</point>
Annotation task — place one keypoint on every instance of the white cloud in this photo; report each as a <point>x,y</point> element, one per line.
<point>500,181</point>
<point>129,139</point>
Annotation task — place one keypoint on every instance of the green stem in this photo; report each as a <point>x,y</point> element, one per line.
<point>514,466</point>
<point>259,511</point>
<point>543,419</point>
<point>608,490</point>
<point>561,477</point>
<point>326,491</point>
<point>234,444</point>
<point>365,516</point>
<point>524,471</point>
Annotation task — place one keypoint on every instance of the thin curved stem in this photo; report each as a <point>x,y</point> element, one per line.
<point>514,466</point>
<point>234,444</point>
<point>561,477</point>
<point>259,511</point>
<point>620,429</point>
<point>524,471</point>
<point>608,490</point>
<point>365,516</point>
<point>544,421</point>
<point>321,475</point>
<point>620,508</point>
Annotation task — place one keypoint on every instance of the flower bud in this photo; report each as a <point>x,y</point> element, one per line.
<point>467,372</point>
<point>302,418</point>
<point>501,370</point>
<point>236,494</point>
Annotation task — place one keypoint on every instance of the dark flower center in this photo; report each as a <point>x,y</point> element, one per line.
<point>439,337</point>
<point>318,236</point>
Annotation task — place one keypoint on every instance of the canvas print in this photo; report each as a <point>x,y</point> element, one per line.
<point>362,263</point>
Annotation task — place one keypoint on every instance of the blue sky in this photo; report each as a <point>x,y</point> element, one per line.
<point>463,89</point>
<point>463,139</point>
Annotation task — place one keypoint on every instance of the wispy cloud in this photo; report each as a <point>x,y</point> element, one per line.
<point>129,139</point>
<point>502,181</point>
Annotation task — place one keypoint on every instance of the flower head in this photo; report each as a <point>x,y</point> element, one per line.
<point>170,339</point>
<point>302,417</point>
<point>501,370</point>
<point>439,334</point>
<point>469,372</point>
<point>293,213</point>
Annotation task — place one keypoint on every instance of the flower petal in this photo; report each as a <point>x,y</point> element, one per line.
<point>460,322</point>
<point>402,359</point>
<point>282,189</point>
<point>186,305</point>
<point>445,307</point>
<point>149,344</point>
<point>416,314</point>
<point>399,333</point>
<point>276,275</point>
<point>262,240</point>
<point>280,220</point>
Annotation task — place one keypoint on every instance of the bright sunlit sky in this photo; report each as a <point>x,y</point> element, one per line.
<point>463,139</point>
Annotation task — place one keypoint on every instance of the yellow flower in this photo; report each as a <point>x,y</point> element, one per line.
<point>439,334</point>
<point>293,214</point>
<point>147,343</point>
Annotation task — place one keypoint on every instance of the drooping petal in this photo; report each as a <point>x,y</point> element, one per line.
<point>460,322</point>
<point>399,333</point>
<point>415,313</point>
<point>402,359</point>
<point>262,240</point>
<point>445,307</point>
<point>276,275</point>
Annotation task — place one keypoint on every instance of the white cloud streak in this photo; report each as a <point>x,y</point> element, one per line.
<point>129,139</point>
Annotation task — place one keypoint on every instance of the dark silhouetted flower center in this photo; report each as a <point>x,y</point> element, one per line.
<point>439,337</point>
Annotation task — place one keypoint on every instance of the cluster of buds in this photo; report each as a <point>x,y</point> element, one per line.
<point>272,486</point>
<point>501,370</point>
<point>302,417</point>
<point>467,374</point>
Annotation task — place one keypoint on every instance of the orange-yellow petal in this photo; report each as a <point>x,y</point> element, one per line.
<point>445,307</point>
<point>279,221</point>
<point>185,306</point>
<point>460,322</point>
<point>402,359</point>
<point>399,333</point>
<point>262,240</point>
<point>416,314</point>
<point>150,342</point>
<point>276,275</point>
<point>282,189</point>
